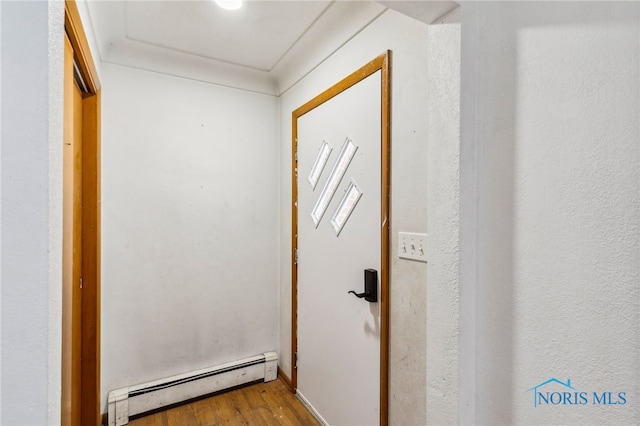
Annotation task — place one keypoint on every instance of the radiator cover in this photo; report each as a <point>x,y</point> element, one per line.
<point>134,400</point>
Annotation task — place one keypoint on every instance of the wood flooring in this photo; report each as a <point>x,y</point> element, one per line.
<point>265,404</point>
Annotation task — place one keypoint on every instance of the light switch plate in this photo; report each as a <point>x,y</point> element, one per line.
<point>412,246</point>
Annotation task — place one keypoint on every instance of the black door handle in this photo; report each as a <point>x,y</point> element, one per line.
<point>370,286</point>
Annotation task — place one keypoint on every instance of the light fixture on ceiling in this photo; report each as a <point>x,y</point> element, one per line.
<point>230,4</point>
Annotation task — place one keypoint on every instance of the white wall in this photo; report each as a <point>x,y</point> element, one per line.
<point>407,38</point>
<point>190,225</point>
<point>550,166</point>
<point>443,188</point>
<point>1,102</point>
<point>31,211</point>
<point>549,219</point>
<point>87,26</point>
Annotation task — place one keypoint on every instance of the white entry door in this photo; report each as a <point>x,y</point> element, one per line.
<point>339,237</point>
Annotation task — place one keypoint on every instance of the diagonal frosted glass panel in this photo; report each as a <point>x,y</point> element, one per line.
<point>342,163</point>
<point>344,210</point>
<point>321,161</point>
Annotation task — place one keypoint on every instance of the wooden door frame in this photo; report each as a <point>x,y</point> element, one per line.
<point>90,218</point>
<point>381,63</point>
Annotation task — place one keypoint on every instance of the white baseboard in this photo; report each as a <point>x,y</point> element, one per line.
<point>134,400</point>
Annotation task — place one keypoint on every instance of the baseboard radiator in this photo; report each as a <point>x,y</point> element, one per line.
<point>134,400</point>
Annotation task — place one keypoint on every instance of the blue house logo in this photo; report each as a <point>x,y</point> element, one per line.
<point>557,392</point>
<point>540,396</point>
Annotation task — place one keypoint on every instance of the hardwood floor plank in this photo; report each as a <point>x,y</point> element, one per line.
<point>180,416</point>
<point>205,412</point>
<point>262,404</point>
<point>260,410</point>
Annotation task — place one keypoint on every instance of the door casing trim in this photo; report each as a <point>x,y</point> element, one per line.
<point>91,221</point>
<point>381,63</point>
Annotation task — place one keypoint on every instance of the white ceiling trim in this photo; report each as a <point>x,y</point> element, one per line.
<point>212,58</point>
<point>257,36</point>
<point>302,36</point>
<point>109,24</point>
<point>156,59</point>
<point>342,22</point>
<point>335,26</point>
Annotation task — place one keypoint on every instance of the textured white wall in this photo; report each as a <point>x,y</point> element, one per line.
<point>31,36</point>
<point>407,38</point>
<point>190,225</point>
<point>1,102</point>
<point>443,172</point>
<point>551,114</point>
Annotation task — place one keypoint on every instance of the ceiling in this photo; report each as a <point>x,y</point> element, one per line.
<point>254,48</point>
<point>256,36</point>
